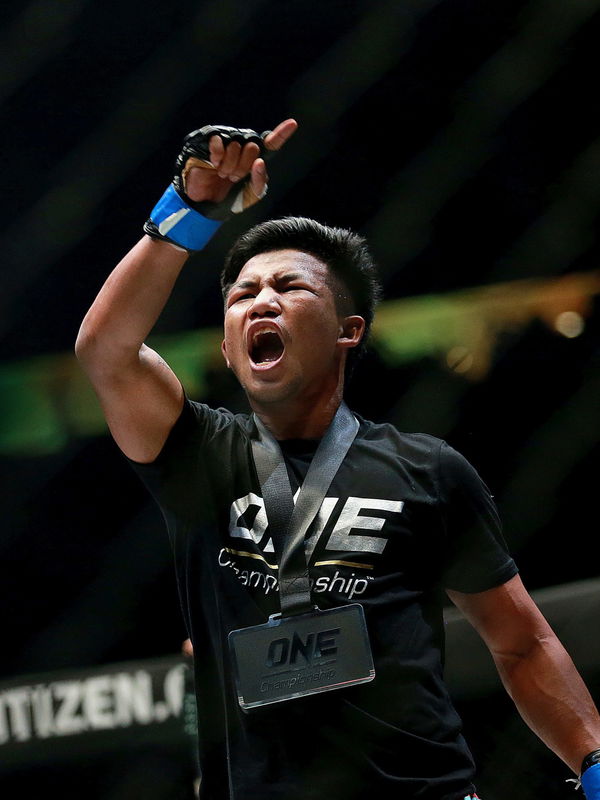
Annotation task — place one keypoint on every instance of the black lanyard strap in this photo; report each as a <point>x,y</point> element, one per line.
<point>289,522</point>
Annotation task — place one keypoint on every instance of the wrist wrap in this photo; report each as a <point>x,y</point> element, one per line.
<point>174,221</point>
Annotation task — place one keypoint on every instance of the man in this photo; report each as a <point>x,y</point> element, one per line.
<point>404,517</point>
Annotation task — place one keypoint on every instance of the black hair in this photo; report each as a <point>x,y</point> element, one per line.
<point>344,252</point>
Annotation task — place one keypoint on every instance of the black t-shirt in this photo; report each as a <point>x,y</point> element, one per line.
<point>405,517</point>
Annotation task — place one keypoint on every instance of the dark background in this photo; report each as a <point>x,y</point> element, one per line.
<point>460,137</point>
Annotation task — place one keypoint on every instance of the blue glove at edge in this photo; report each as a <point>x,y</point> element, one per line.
<point>590,781</point>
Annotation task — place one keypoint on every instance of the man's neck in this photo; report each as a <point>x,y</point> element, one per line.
<point>297,419</point>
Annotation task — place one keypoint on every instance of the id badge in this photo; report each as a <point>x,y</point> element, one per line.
<point>290,657</point>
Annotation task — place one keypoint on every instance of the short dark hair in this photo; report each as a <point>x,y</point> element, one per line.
<point>344,252</point>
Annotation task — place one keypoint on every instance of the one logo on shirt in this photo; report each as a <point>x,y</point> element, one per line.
<point>354,532</point>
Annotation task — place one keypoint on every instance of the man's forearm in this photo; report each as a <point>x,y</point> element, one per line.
<point>129,304</point>
<point>552,698</point>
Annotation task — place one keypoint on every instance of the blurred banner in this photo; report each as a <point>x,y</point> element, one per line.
<point>78,713</point>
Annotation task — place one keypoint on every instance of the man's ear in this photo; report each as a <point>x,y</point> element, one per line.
<point>224,351</point>
<point>352,330</point>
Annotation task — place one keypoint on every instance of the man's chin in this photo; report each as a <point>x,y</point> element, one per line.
<point>268,393</point>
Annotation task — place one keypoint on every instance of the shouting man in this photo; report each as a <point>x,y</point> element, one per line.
<point>312,547</point>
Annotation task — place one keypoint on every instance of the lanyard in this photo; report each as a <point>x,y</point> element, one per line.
<point>289,522</point>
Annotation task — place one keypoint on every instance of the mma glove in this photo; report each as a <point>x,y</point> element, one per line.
<point>590,775</point>
<point>178,219</point>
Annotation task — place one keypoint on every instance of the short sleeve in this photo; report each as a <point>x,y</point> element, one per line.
<point>477,556</point>
<point>182,461</point>
<point>176,449</point>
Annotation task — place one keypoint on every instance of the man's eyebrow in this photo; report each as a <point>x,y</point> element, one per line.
<point>245,284</point>
<point>292,276</point>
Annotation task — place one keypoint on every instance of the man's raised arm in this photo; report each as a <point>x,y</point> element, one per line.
<point>220,171</point>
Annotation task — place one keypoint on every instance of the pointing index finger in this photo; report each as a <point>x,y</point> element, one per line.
<point>280,135</point>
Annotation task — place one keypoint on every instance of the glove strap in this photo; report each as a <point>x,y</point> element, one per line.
<point>173,220</point>
<point>590,781</point>
<point>591,759</point>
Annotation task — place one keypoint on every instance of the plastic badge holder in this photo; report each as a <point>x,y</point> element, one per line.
<point>300,655</point>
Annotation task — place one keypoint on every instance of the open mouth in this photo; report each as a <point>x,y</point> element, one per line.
<point>266,347</point>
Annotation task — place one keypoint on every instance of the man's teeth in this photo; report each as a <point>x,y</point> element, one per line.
<point>264,332</point>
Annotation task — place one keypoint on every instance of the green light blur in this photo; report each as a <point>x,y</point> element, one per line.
<point>48,401</point>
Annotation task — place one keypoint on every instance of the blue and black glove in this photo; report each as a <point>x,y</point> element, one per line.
<point>590,775</point>
<point>178,219</point>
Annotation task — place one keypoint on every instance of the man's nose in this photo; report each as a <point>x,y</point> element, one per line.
<point>265,304</point>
